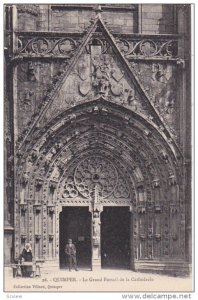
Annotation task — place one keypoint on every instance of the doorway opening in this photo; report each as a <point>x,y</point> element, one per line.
<point>115,237</point>
<point>75,224</point>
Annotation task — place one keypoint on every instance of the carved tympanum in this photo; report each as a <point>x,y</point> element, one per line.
<point>96,171</point>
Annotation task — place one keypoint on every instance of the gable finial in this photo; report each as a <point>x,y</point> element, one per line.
<point>98,10</point>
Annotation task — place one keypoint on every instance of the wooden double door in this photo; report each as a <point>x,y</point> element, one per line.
<point>76,224</point>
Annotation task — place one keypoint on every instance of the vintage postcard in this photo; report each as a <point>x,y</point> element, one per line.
<point>97,163</point>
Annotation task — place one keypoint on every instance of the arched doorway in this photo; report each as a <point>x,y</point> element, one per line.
<point>98,155</point>
<point>95,183</point>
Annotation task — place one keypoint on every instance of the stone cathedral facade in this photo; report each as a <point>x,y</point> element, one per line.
<point>98,134</point>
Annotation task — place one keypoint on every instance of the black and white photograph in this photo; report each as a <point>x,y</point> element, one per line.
<point>98,147</point>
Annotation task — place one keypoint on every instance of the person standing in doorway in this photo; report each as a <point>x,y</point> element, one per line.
<point>70,251</point>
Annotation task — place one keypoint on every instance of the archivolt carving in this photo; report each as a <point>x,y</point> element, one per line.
<point>69,194</point>
<point>102,136</point>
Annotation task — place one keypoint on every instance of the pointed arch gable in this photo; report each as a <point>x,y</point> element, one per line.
<point>98,25</point>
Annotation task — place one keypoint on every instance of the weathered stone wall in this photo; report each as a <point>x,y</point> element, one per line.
<point>27,17</point>
<point>158,18</point>
<point>34,79</point>
<point>70,18</point>
<point>145,18</point>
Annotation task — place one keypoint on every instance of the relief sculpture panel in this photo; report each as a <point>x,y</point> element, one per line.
<point>160,81</point>
<point>34,80</point>
<point>95,76</point>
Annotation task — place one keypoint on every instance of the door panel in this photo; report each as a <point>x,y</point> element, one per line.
<point>115,237</point>
<point>75,224</point>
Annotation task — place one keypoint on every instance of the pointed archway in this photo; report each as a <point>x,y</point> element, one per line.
<point>141,155</point>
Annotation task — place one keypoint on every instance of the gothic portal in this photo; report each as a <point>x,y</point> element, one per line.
<point>97,120</point>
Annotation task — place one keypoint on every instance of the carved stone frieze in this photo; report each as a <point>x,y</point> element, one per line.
<point>47,46</point>
<point>148,48</point>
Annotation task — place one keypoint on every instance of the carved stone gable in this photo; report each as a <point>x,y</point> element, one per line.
<point>96,75</point>
<point>99,69</point>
